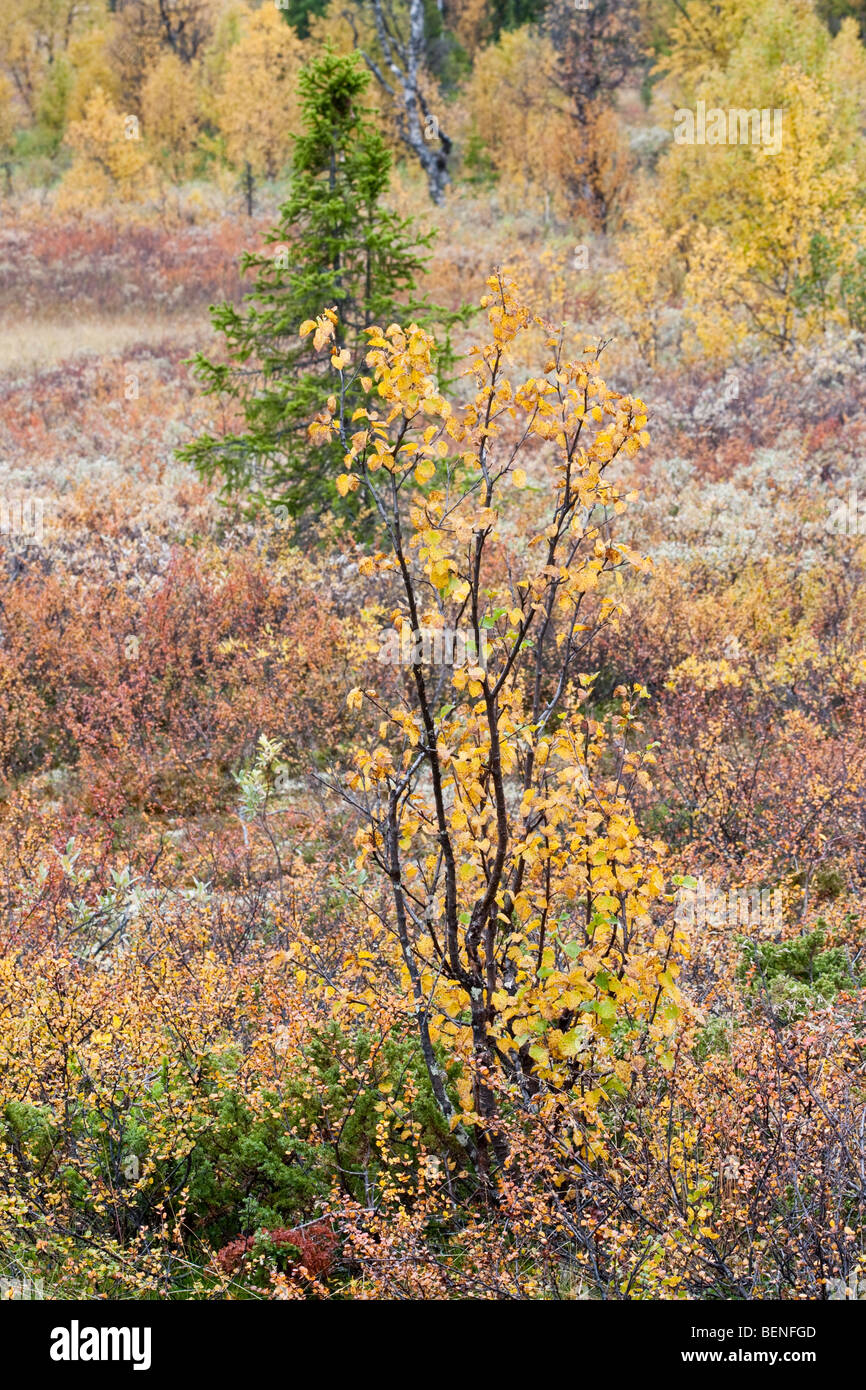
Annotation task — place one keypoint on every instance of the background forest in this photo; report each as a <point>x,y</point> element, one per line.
<point>432,652</point>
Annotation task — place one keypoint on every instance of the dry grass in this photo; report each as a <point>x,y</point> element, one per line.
<point>46,343</point>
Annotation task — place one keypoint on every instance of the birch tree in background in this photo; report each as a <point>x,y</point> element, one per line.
<point>399,71</point>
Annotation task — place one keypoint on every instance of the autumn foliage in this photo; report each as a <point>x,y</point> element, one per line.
<point>444,880</point>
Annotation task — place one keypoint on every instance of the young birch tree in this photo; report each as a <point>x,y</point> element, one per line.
<point>492,801</point>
